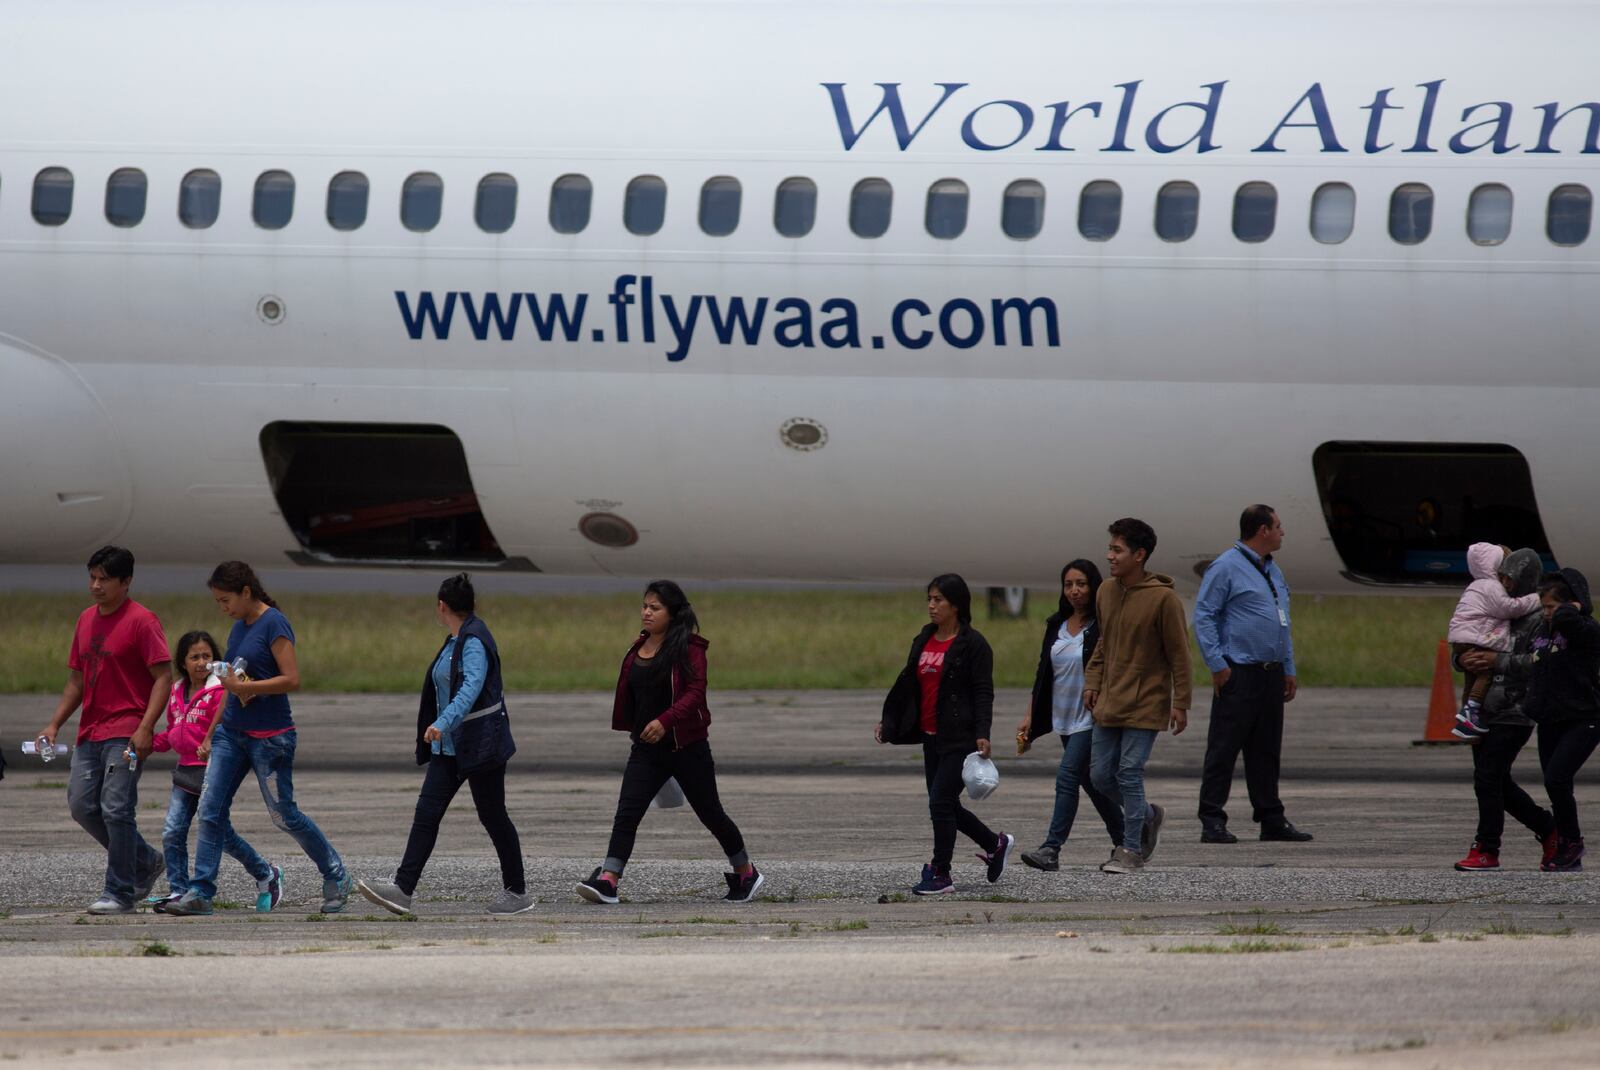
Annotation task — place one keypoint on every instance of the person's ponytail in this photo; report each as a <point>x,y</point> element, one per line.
<point>234,576</point>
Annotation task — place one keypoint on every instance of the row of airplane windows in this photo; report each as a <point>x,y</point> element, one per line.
<point>1568,210</point>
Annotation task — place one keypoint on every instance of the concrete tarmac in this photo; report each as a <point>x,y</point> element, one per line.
<point>1361,946</point>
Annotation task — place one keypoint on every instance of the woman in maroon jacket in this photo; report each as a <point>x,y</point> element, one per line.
<point>661,704</point>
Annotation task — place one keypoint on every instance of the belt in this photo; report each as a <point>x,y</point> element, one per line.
<point>1264,666</point>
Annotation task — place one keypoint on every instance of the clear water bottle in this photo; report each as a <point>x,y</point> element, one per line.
<point>224,668</point>
<point>46,750</point>
<point>133,757</point>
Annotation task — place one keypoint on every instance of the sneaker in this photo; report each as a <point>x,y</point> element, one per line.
<point>1124,861</point>
<point>933,882</point>
<point>1568,857</point>
<point>1150,835</point>
<point>1469,722</point>
<point>743,888</point>
<point>269,893</point>
<point>154,901</point>
<point>1548,844</point>
<point>187,907</point>
<point>598,889</point>
<point>996,859</point>
<point>109,905</point>
<point>507,902</point>
<point>1044,857</point>
<point>386,894</point>
<point>1479,860</point>
<point>335,894</point>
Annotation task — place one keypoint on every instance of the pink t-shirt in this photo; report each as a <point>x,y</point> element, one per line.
<point>115,651</point>
<point>188,721</point>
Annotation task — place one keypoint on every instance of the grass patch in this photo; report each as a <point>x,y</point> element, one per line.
<point>658,934</point>
<point>158,949</point>
<point>838,925</point>
<point>316,917</point>
<point>996,897</point>
<point>550,938</point>
<point>701,920</point>
<point>1259,928</point>
<point>224,904</point>
<point>52,785</point>
<point>855,639</point>
<point>385,917</point>
<point>1509,927</point>
<point>1238,947</point>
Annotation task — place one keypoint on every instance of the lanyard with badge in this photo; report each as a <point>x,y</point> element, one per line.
<point>1283,614</point>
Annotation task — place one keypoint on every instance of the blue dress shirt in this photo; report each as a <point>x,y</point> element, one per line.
<point>454,708</point>
<point>1236,617</point>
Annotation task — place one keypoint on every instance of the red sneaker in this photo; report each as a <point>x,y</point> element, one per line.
<point>1478,860</point>
<point>1550,841</point>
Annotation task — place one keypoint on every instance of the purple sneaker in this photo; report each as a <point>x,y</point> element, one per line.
<point>933,882</point>
<point>996,859</point>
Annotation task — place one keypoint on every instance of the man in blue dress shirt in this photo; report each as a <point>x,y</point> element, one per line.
<point>1241,619</point>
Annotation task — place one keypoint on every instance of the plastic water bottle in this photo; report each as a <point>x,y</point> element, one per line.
<point>132,756</point>
<point>46,750</point>
<point>220,668</point>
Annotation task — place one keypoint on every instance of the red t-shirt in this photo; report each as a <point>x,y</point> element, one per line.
<point>930,667</point>
<point>114,651</point>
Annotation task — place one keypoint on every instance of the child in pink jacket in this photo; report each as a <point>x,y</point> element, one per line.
<point>1482,621</point>
<point>195,701</point>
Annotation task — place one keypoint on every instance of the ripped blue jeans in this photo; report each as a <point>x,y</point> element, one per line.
<point>233,755</point>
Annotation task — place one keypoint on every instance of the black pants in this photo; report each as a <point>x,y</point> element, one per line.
<point>650,767</point>
<point>439,786</point>
<point>1498,794</point>
<point>944,806</point>
<point>1247,716</point>
<point>1563,748</point>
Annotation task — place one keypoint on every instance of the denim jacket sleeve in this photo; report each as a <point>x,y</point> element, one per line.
<point>475,670</point>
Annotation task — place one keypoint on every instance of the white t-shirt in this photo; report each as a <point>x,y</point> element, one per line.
<point>1067,714</point>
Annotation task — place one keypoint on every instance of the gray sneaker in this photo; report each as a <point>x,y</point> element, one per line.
<point>335,894</point>
<point>1123,861</point>
<point>509,902</point>
<point>1150,835</point>
<point>109,905</point>
<point>1045,858</point>
<point>386,894</point>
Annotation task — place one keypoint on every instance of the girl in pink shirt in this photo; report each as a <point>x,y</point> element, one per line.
<point>195,701</point>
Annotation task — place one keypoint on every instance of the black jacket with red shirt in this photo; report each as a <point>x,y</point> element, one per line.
<point>966,694</point>
<point>687,720</point>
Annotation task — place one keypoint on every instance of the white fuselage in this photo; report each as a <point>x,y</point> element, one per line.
<point>1185,380</point>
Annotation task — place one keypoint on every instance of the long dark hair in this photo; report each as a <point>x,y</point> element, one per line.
<point>681,624</point>
<point>955,591</point>
<point>234,576</point>
<point>187,643</point>
<point>1087,567</point>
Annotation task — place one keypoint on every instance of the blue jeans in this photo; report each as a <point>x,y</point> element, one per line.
<point>103,795</point>
<point>1116,766</point>
<point>1072,774</point>
<point>175,843</point>
<point>233,755</point>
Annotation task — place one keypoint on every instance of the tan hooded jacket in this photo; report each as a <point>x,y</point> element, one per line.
<point>1140,666</point>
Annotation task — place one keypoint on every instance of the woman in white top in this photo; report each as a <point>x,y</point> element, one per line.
<point>1057,706</point>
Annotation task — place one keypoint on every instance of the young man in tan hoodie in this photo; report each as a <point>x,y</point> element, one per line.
<point>1137,684</point>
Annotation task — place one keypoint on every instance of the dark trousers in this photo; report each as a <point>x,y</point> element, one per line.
<point>647,770</point>
<point>944,806</point>
<point>1563,748</point>
<point>1498,794</point>
<point>439,786</point>
<point>1246,716</point>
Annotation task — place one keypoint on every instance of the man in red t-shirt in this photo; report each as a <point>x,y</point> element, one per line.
<point>121,675</point>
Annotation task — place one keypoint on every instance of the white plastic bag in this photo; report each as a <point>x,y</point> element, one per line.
<point>670,797</point>
<point>980,776</point>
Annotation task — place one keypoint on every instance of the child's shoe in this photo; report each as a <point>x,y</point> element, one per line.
<point>1478,860</point>
<point>934,882</point>
<point>1469,722</point>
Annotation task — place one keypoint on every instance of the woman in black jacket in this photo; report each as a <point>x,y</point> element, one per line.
<point>944,699</point>
<point>1057,706</point>
<point>1564,701</point>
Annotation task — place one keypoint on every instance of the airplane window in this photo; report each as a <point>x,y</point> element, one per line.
<point>1411,213</point>
<point>794,207</point>
<point>496,208</point>
<point>421,201</point>
<point>347,200</point>
<point>126,192</point>
<point>644,205</point>
<point>274,200</point>
<point>570,198</point>
<point>1489,214</point>
<point>199,199</point>
<point>1100,210</point>
<point>871,204</point>
<point>52,196</point>
<point>946,212</point>
<point>1022,210</point>
<point>1177,211</point>
<point>719,206</point>
<point>1333,213</point>
<point>1568,215</point>
<point>1255,211</point>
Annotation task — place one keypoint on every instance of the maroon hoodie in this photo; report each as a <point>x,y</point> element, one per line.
<point>687,719</point>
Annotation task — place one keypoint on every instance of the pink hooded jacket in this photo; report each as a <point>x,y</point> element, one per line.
<point>1483,615</point>
<point>187,724</point>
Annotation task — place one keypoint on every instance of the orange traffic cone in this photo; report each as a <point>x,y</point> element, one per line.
<point>1441,702</point>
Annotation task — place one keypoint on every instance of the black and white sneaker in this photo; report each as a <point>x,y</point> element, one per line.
<point>598,889</point>
<point>743,888</point>
<point>996,859</point>
<point>1150,835</point>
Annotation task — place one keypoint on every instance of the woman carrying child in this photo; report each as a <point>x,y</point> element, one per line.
<point>1482,621</point>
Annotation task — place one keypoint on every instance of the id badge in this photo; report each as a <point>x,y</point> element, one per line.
<point>1283,616</point>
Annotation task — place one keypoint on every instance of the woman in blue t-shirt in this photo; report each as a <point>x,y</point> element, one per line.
<point>255,733</point>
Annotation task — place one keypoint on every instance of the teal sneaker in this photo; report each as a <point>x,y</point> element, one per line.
<point>269,893</point>
<point>335,894</point>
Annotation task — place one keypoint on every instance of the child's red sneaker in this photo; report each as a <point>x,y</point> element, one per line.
<point>1478,860</point>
